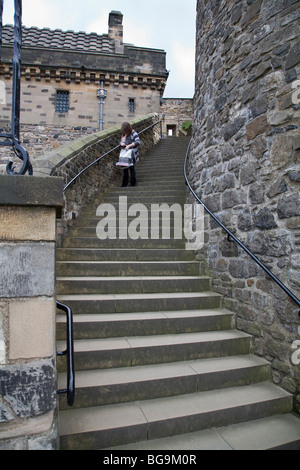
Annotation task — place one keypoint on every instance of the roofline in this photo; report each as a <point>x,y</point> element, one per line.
<point>127,45</point>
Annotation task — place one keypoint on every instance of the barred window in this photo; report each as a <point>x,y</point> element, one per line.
<point>62,101</point>
<point>131,105</point>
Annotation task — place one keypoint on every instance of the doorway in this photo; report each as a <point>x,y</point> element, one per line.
<point>171,130</point>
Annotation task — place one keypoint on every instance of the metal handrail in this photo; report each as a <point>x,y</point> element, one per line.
<point>105,154</point>
<point>235,239</point>
<point>69,352</point>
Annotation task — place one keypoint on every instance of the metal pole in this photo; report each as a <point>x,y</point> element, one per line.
<point>13,139</point>
<point>15,111</point>
<point>101,110</point>
<point>1,14</point>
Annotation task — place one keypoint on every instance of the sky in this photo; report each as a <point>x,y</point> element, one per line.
<point>158,24</point>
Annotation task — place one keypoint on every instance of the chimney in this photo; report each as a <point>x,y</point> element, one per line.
<point>115,30</point>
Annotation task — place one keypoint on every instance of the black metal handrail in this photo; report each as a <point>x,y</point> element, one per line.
<point>235,239</point>
<point>13,139</point>
<point>104,155</point>
<point>69,352</point>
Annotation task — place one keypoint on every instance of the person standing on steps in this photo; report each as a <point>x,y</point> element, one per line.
<point>130,140</point>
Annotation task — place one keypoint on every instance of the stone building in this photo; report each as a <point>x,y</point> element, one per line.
<point>65,73</point>
<point>245,166</point>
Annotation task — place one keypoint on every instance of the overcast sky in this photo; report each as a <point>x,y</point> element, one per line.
<point>159,24</point>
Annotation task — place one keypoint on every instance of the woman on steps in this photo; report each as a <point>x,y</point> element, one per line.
<point>130,140</point>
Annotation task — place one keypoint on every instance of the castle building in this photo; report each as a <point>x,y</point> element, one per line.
<point>77,79</point>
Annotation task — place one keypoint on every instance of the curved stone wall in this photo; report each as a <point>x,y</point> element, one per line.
<point>244,164</point>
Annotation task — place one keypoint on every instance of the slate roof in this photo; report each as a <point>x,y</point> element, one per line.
<point>58,39</point>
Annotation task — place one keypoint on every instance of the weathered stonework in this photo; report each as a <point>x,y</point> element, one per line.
<point>28,377</point>
<point>175,111</point>
<point>40,140</point>
<point>245,165</point>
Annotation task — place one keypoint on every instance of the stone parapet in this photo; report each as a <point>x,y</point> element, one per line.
<point>28,210</point>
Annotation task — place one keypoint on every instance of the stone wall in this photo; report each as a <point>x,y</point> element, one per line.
<point>175,111</point>
<point>28,377</point>
<point>38,101</point>
<point>244,164</point>
<point>41,140</point>
<point>70,159</point>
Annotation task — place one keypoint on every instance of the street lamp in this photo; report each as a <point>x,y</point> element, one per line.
<point>101,95</point>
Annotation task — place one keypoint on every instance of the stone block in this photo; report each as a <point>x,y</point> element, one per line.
<point>31,327</point>
<point>264,219</point>
<point>27,223</point>
<point>280,117</point>
<point>251,14</point>
<point>27,269</point>
<point>256,127</point>
<point>233,197</point>
<point>38,425</point>
<point>31,191</point>
<point>289,206</point>
<point>294,56</point>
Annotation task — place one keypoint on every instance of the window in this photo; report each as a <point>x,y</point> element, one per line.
<point>131,105</point>
<point>62,101</point>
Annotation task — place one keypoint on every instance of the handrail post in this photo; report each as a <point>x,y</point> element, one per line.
<point>69,352</point>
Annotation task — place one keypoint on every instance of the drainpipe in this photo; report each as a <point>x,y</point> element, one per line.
<point>101,94</point>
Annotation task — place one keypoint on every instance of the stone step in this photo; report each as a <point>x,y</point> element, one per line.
<point>139,225</point>
<point>279,432</point>
<point>119,385</point>
<point>147,181</point>
<point>158,189</point>
<point>168,175</point>
<point>93,326</point>
<point>145,199</point>
<point>147,226</point>
<point>94,242</point>
<point>161,162</point>
<point>119,254</point>
<point>125,303</point>
<point>156,355</point>
<point>127,268</point>
<point>133,284</point>
<point>90,354</point>
<point>112,425</point>
<point>159,216</point>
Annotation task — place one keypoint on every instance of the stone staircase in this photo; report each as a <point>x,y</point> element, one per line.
<point>159,363</point>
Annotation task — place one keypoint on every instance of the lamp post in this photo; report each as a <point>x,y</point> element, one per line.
<point>101,95</point>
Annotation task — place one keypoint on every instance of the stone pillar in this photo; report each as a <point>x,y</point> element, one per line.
<point>28,210</point>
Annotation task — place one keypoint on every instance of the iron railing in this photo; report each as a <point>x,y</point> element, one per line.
<point>104,155</point>
<point>12,139</point>
<point>69,352</point>
<point>231,236</point>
